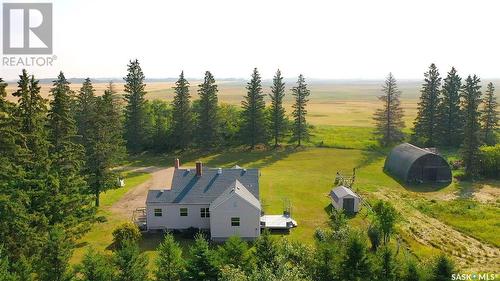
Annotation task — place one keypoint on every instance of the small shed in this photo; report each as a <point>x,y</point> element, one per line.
<point>344,198</point>
<point>412,164</point>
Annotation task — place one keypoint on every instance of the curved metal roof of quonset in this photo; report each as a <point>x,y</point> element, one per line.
<point>402,157</point>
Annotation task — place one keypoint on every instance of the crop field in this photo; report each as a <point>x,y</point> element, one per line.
<point>460,219</point>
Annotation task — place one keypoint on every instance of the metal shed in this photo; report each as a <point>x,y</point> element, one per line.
<point>412,164</point>
<point>344,198</point>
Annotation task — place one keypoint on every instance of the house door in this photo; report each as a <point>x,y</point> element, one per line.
<point>348,205</point>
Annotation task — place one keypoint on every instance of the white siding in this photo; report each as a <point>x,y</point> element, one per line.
<point>171,218</point>
<point>220,221</point>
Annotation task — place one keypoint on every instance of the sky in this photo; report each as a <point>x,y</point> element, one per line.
<point>352,39</point>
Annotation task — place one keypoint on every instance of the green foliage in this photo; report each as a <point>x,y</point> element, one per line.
<point>208,118</point>
<point>471,98</point>
<point>385,218</point>
<point>96,266</point>
<point>375,236</point>
<point>449,111</point>
<point>443,269</point>
<point>387,265</point>
<point>136,125</point>
<point>356,265</point>
<point>266,251</point>
<point>160,113</point>
<point>125,233</point>
<point>389,119</point>
<point>230,273</point>
<point>56,254</point>
<point>169,263</point>
<point>326,260</point>
<point>202,262</point>
<point>426,124</point>
<point>253,128</point>
<point>300,130</point>
<point>229,122</point>
<point>235,253</point>
<point>182,120</point>
<point>104,144</point>
<point>131,264</point>
<point>490,161</point>
<point>411,272</point>
<point>489,116</point>
<point>278,120</point>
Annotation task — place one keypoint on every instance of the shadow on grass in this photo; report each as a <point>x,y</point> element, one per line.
<point>251,158</point>
<point>370,156</point>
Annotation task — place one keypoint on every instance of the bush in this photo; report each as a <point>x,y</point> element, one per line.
<point>126,232</point>
<point>490,161</point>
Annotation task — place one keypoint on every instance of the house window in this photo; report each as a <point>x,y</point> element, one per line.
<point>158,212</point>
<point>235,221</point>
<point>204,212</point>
<point>184,212</point>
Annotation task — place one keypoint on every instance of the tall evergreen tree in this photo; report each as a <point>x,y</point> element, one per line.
<point>235,252</point>
<point>105,144</point>
<point>471,99</point>
<point>278,118</point>
<point>208,119</point>
<point>70,205</point>
<point>300,92</point>
<point>449,112</point>
<point>426,124</point>
<point>96,267</point>
<point>135,112</point>
<point>201,265</point>
<point>442,269</point>
<point>389,119</point>
<point>182,127</point>
<point>85,110</point>
<point>253,128</point>
<point>31,113</point>
<point>356,264</point>
<point>56,255</point>
<point>266,251</point>
<point>132,265</point>
<point>388,267</point>
<point>489,116</point>
<point>169,264</point>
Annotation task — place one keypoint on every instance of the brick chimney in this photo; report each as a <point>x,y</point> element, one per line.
<point>177,163</point>
<point>199,168</point>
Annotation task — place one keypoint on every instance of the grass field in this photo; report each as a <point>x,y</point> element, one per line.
<point>460,219</point>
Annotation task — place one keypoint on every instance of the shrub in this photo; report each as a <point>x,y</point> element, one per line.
<point>126,232</point>
<point>490,161</point>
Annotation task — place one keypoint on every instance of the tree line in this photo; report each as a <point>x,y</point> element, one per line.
<point>449,115</point>
<point>205,123</point>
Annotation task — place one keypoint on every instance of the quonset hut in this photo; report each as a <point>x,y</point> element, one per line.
<point>412,164</point>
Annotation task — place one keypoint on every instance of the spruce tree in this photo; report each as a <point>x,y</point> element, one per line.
<point>389,119</point>
<point>300,92</point>
<point>202,264</point>
<point>132,265</point>
<point>85,111</point>
<point>96,267</point>
<point>266,251</point>
<point>442,270</point>
<point>471,99</point>
<point>449,112</point>
<point>169,263</point>
<point>278,118</point>
<point>105,145</point>
<point>31,112</point>
<point>356,264</point>
<point>56,255</point>
<point>235,252</point>
<point>253,128</point>
<point>182,119</point>
<point>388,267</point>
<point>489,116</point>
<point>70,204</point>
<point>208,119</point>
<point>426,129</point>
<point>135,111</point>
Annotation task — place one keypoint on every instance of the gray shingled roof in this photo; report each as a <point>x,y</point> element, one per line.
<point>340,192</point>
<point>190,189</point>
<point>235,188</point>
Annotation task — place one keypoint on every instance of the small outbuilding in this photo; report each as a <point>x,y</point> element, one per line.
<point>411,164</point>
<point>344,198</point>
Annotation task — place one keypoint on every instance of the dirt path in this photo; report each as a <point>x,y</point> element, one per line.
<point>136,197</point>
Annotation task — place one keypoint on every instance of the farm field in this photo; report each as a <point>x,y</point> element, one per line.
<point>460,219</point>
